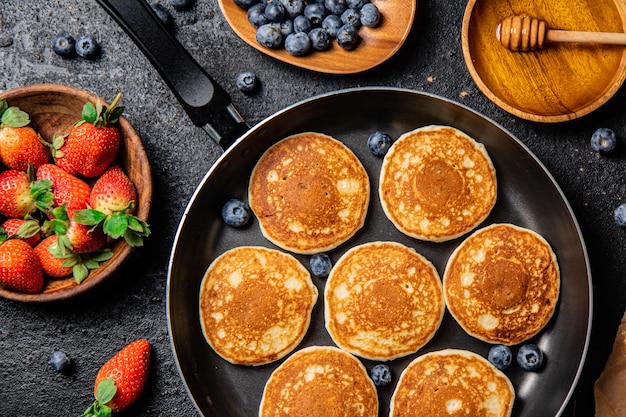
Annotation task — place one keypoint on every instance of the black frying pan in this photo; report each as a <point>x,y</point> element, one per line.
<point>527,196</point>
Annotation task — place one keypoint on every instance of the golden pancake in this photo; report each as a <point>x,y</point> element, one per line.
<point>437,183</point>
<point>255,304</point>
<point>383,300</point>
<point>309,192</point>
<point>452,382</point>
<point>320,381</point>
<point>502,284</point>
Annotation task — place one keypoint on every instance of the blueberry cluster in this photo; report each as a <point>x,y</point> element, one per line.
<point>66,46</point>
<point>301,26</point>
<point>529,357</point>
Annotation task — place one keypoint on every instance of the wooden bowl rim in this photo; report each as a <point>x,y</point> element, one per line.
<point>122,249</point>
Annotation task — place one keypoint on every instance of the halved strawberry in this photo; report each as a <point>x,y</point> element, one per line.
<point>20,144</point>
<point>20,269</point>
<point>19,196</point>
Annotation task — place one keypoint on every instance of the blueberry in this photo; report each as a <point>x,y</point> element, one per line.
<point>302,24</point>
<point>370,16</point>
<point>275,11</point>
<point>603,140</point>
<point>286,27</point>
<point>315,12</point>
<point>180,4</point>
<point>256,15</point>
<point>331,24</point>
<point>348,37</point>
<point>379,143</point>
<point>298,43</point>
<point>60,362</point>
<point>335,6</point>
<point>351,16</point>
<point>355,4</point>
<point>162,13</point>
<point>380,374</point>
<point>269,36</point>
<point>293,8</point>
<point>245,4</point>
<point>500,356</point>
<point>529,357</point>
<point>620,215</point>
<point>87,47</point>
<point>320,39</point>
<point>235,213</point>
<point>64,45</point>
<point>320,265</point>
<point>247,82</point>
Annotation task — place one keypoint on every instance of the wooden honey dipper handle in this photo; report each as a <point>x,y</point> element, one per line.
<point>524,33</point>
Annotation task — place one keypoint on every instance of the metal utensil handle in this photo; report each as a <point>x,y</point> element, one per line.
<point>201,97</point>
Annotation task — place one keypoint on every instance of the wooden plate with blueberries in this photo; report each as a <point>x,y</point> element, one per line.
<point>380,29</point>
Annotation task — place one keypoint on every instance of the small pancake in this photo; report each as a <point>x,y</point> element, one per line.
<point>255,304</point>
<point>437,183</point>
<point>309,192</point>
<point>502,284</point>
<point>452,382</point>
<point>320,381</point>
<point>383,300</point>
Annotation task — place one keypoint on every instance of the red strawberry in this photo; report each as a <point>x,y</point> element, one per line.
<point>19,197</point>
<point>93,142</point>
<point>66,188</point>
<point>84,239</point>
<point>121,380</point>
<point>20,145</point>
<point>20,269</point>
<point>113,192</point>
<point>27,230</point>
<point>51,264</point>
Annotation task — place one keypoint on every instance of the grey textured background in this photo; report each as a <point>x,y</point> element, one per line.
<point>132,304</point>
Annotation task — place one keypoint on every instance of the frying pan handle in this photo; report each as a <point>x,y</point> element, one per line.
<point>201,97</point>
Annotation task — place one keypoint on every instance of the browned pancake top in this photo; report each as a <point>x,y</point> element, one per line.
<point>502,284</point>
<point>309,192</point>
<point>437,183</point>
<point>383,300</point>
<point>320,381</point>
<point>452,383</point>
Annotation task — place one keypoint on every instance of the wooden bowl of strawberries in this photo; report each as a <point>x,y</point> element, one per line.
<point>75,191</point>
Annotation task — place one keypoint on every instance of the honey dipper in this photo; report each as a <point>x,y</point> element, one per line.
<point>524,33</point>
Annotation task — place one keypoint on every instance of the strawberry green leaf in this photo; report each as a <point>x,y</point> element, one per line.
<point>89,113</point>
<point>105,391</point>
<point>88,217</point>
<point>14,117</point>
<point>101,256</point>
<point>28,229</point>
<point>3,106</point>
<point>80,272</point>
<point>133,239</point>
<point>115,225</point>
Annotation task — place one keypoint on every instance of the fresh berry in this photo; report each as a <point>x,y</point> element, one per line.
<point>20,197</point>
<point>335,7</point>
<point>500,356</point>
<point>355,4</point>
<point>286,28</point>
<point>275,11</point>
<point>320,264</point>
<point>53,258</point>
<point>64,45</point>
<point>370,16</point>
<point>348,37</point>
<point>245,4</point>
<point>529,357</point>
<point>66,188</point>
<point>247,82</point>
<point>302,24</point>
<point>620,215</point>
<point>315,12</point>
<point>269,36</point>
<point>20,144</point>
<point>27,230</point>
<point>87,47</point>
<point>351,17</point>
<point>293,8</point>
<point>320,39</point>
<point>73,236</point>
<point>331,24</point>
<point>121,380</point>
<point>604,140</point>
<point>60,362</point>
<point>180,4</point>
<point>380,374</point>
<point>298,43</point>
<point>256,15</point>
<point>379,143</point>
<point>235,213</point>
<point>92,143</point>
<point>20,269</point>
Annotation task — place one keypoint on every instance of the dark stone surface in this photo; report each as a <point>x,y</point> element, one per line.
<point>89,330</point>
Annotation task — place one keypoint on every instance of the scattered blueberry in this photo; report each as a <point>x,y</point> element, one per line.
<point>355,4</point>
<point>293,8</point>
<point>331,24</point>
<point>275,11</point>
<point>64,45</point>
<point>60,362</point>
<point>256,15</point>
<point>269,36</point>
<point>315,12</point>
<point>352,17</point>
<point>87,47</point>
<point>162,13</point>
<point>379,143</point>
<point>620,215</point>
<point>180,4</point>
<point>320,265</point>
<point>302,24</point>
<point>335,7</point>
<point>370,16</point>
<point>500,356</point>
<point>603,140</point>
<point>381,374</point>
<point>529,357</point>
<point>298,43</point>
<point>235,213</point>
<point>247,82</point>
<point>320,39</point>
<point>347,37</point>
